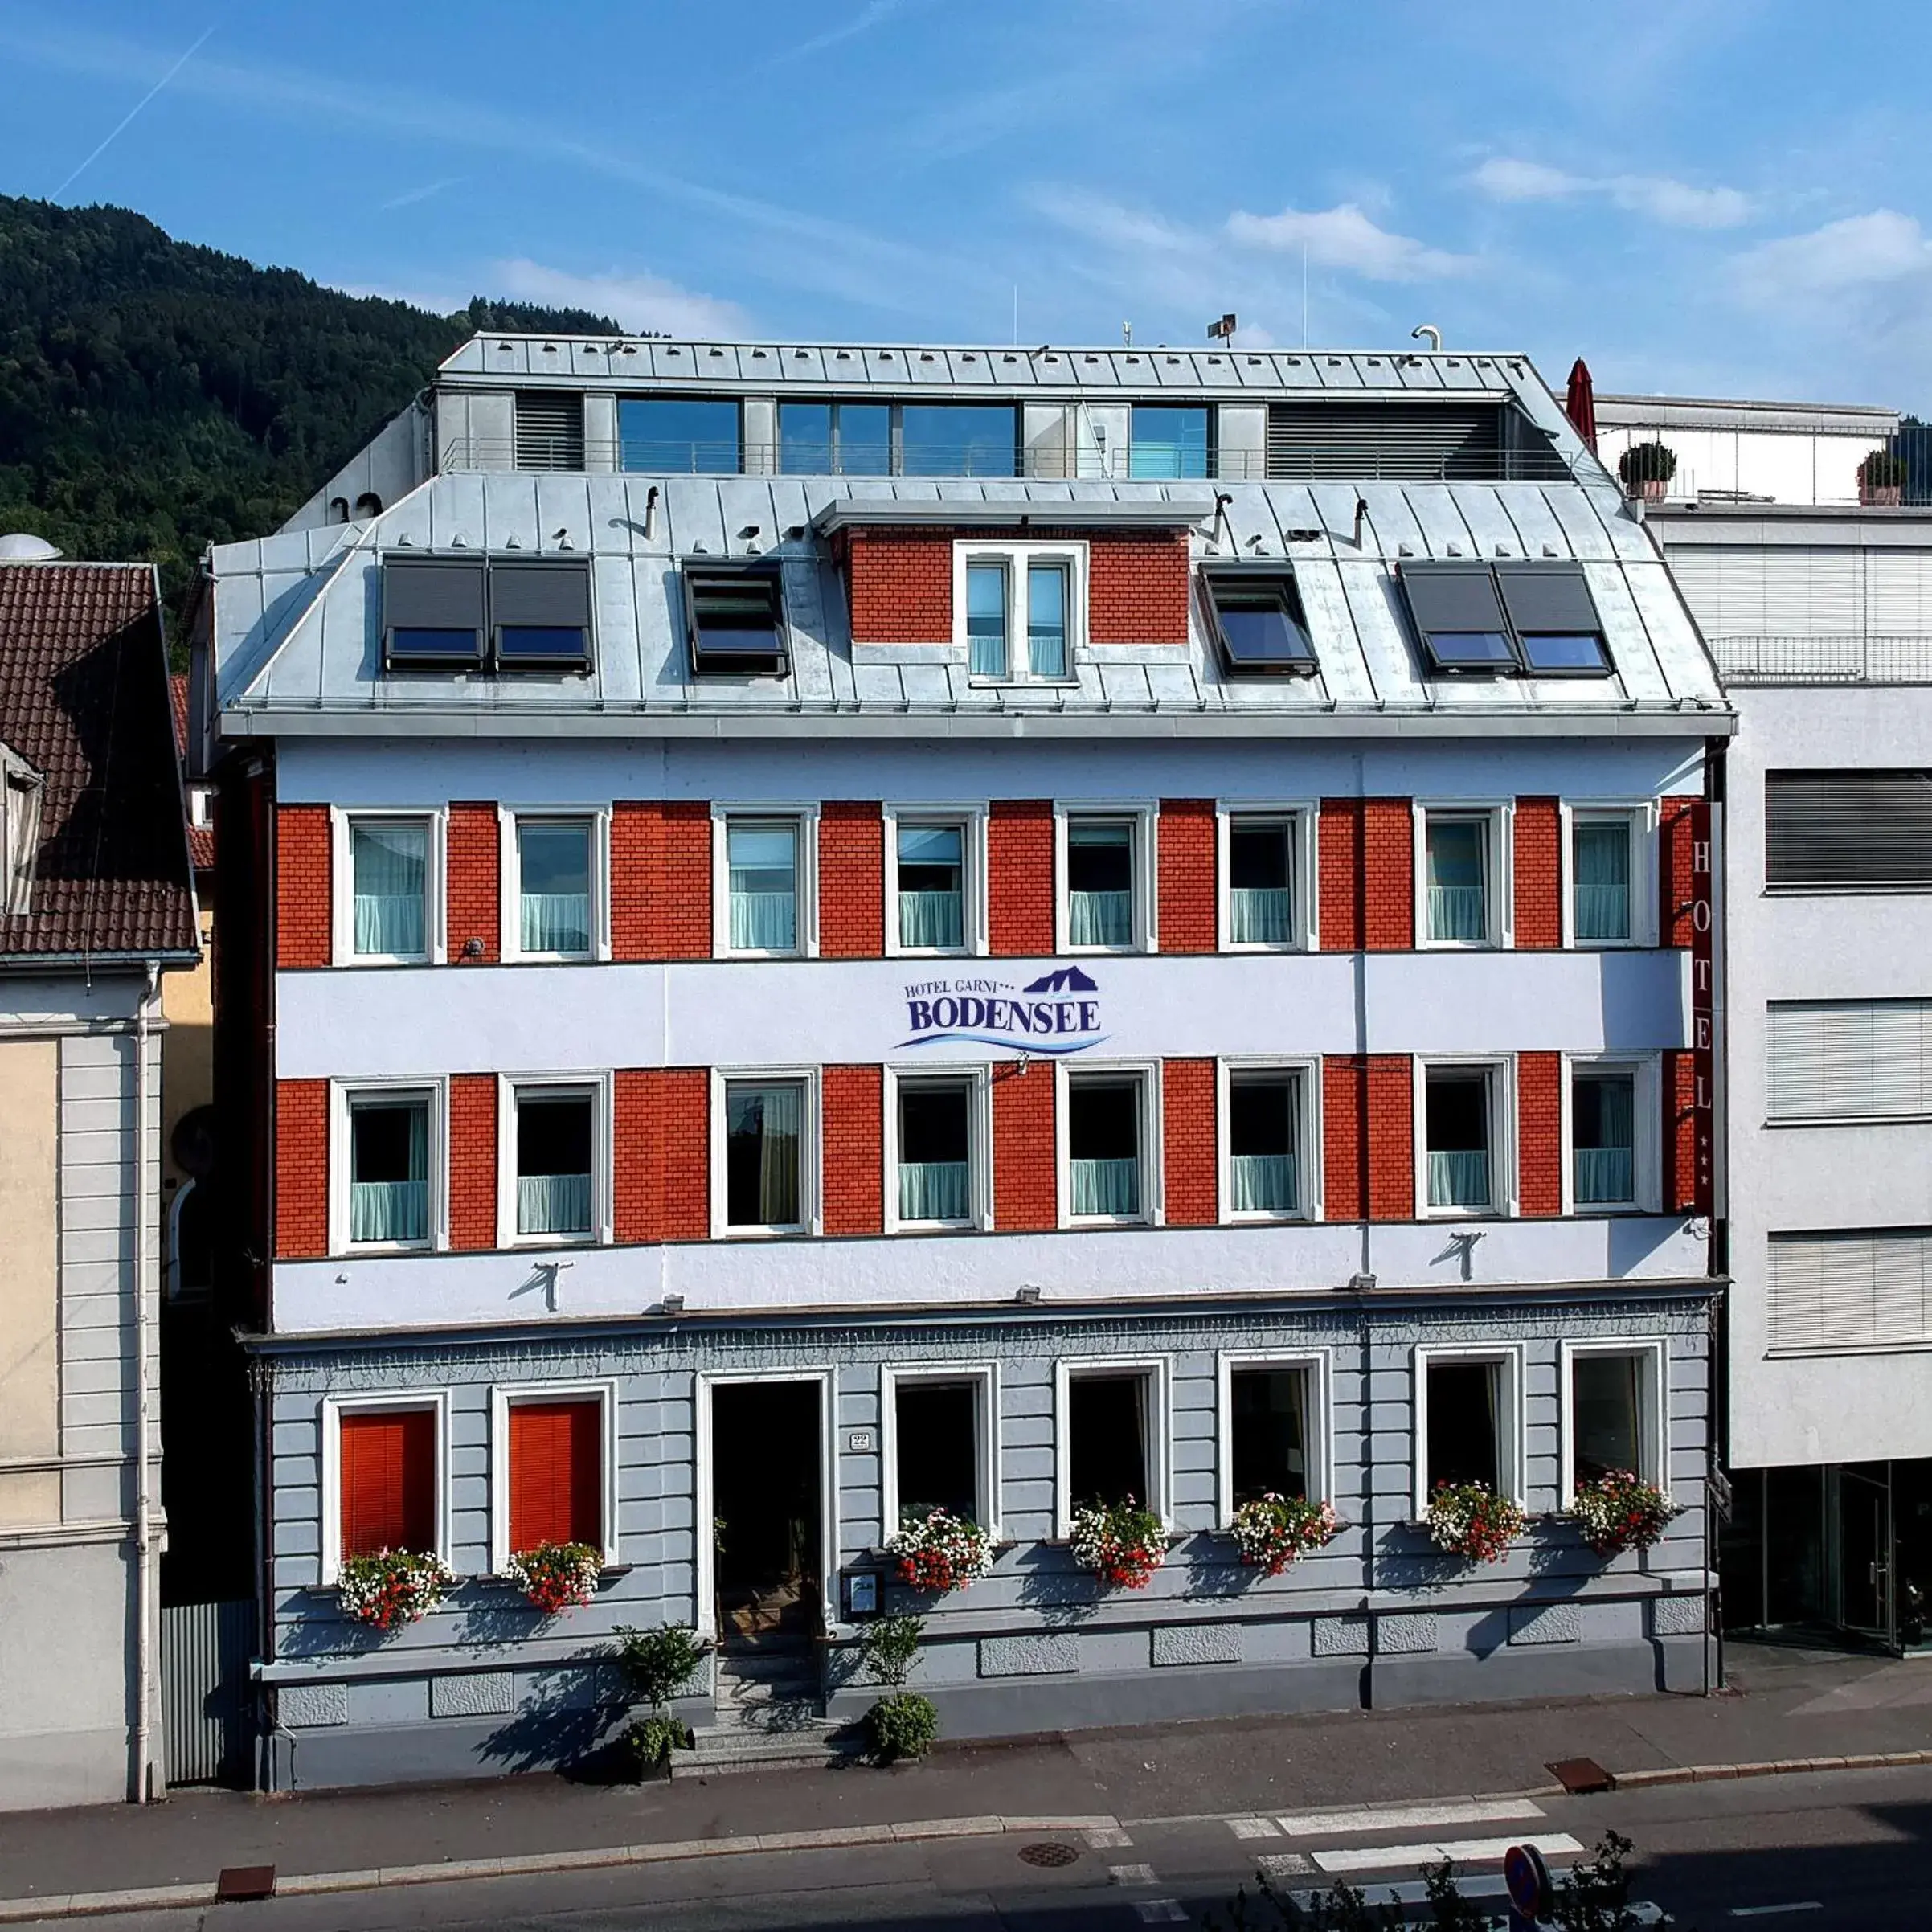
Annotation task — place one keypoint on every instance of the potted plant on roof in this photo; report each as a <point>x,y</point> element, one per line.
<point>939,1551</point>
<point>1121,1543</point>
<point>1646,469</point>
<point>1881,479</point>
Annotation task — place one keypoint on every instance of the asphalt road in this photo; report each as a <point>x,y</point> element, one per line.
<point>1816,1853</point>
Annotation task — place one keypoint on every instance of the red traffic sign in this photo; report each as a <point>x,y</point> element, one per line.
<point>1528,1879</point>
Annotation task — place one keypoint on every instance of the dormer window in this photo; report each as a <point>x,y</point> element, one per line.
<point>1260,630</point>
<point>1556,623</point>
<point>497,615</point>
<point>734,621</point>
<point>21,788</point>
<point>1534,620</point>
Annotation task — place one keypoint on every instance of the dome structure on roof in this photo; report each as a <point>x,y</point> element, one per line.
<point>22,548</point>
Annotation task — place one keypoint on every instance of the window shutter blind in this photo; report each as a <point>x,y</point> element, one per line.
<point>556,1487</point>
<point>388,1460</point>
<point>1849,827</point>
<point>1812,592</point>
<point>1452,597</point>
<point>550,429</point>
<point>1414,442</point>
<point>1850,1059</point>
<point>1849,1290</point>
<point>1898,593</point>
<point>1548,598</point>
<point>440,596</point>
<point>541,595</point>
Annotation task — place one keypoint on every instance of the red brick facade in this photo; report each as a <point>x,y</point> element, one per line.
<point>1539,873</point>
<point>1367,1138</point>
<point>852,1101</point>
<point>1185,841</point>
<point>475,902</point>
<point>1679,1131</point>
<point>898,583</point>
<point>1024,1159</point>
<point>1675,887</point>
<point>1137,588</point>
<point>1367,864</point>
<point>302,871</point>
<point>662,1141</point>
<point>660,879</point>
<point>302,1168</point>
<point>1191,1181</point>
<point>1020,877</point>
<point>1539,1134</point>
<point>473,1160</point>
<point>851,880</point>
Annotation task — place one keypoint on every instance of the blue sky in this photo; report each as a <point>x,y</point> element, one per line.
<point>1716,197</point>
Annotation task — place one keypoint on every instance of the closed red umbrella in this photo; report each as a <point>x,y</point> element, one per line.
<point>1580,404</point>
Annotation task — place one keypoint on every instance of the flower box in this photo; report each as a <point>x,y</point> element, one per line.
<point>388,1587</point>
<point>557,1576</point>
<point>940,1552</point>
<point>1272,1531</point>
<point>1619,1510</point>
<point>1470,1521</point>
<point>1121,1543</point>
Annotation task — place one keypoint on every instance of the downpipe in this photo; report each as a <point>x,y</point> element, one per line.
<point>144,1779</point>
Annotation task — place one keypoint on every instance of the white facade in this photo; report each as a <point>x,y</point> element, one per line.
<point>1746,452</point>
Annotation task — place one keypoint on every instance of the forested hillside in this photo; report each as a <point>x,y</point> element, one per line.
<point>156,397</point>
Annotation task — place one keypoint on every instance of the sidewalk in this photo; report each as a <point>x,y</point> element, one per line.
<point>1784,1705</point>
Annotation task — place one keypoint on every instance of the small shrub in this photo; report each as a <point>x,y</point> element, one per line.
<point>1618,1511</point>
<point>557,1576</point>
<point>1119,1542</point>
<point>890,1647</point>
<point>903,1725</point>
<point>941,1551</point>
<point>1883,469</point>
<point>657,1663</point>
<point>1470,1521</point>
<point>1272,1531</point>
<point>1647,463</point>
<point>652,1740</point>
<point>1596,1896</point>
<point>392,1586</point>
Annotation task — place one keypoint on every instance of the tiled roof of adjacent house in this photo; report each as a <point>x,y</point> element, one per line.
<point>201,838</point>
<point>85,700</point>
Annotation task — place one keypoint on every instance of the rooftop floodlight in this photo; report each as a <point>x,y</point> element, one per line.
<point>1223,330</point>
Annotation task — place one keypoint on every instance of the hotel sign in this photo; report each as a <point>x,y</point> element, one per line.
<point>1058,1013</point>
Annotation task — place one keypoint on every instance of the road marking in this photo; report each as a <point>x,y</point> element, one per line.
<point>1252,1827</point>
<point>1466,1851</point>
<point>1369,1818</point>
<point>1802,1905</point>
<point>1283,1866</point>
<point>1131,1875</point>
<point>1160,1911</point>
<point>1106,1838</point>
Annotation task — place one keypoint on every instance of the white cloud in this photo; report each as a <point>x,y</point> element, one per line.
<point>639,302</point>
<point>1676,203</point>
<point>1861,251</point>
<point>1343,237</point>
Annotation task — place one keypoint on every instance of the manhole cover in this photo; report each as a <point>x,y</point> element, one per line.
<point>1048,1854</point>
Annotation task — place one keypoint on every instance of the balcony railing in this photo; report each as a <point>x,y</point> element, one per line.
<point>1840,658</point>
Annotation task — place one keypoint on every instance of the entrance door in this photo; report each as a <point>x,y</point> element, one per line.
<point>767,1509</point>
<point>1862,1507</point>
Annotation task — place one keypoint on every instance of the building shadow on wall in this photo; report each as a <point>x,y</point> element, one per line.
<point>571,1721</point>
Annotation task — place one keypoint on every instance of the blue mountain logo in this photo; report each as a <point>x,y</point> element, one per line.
<point>1066,979</point>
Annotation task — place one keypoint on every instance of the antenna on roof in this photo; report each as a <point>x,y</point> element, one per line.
<point>1223,330</point>
<point>1127,335</point>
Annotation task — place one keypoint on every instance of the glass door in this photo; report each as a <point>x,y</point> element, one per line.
<point>1859,1497</point>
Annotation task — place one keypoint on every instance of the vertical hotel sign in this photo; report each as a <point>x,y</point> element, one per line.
<point>1704,1009</point>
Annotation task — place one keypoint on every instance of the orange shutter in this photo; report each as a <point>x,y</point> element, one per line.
<point>556,1476</point>
<point>389,1480</point>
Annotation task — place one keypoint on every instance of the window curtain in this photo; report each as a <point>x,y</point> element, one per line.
<point>1603,887</point>
<point>1457,900</point>
<point>774,1116</point>
<point>1459,1178</point>
<point>553,1204</point>
<point>1046,620</point>
<point>935,1190</point>
<point>1107,1187</point>
<point>1263,1184</point>
<point>931,909</point>
<point>1261,916</point>
<point>1607,1172</point>
<point>391,864</point>
<point>762,863</point>
<point>395,1210</point>
<point>556,922</point>
<point>986,619</point>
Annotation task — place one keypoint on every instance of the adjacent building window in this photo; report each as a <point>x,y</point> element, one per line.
<point>1015,593</point>
<point>1107,1143</point>
<point>389,861</point>
<point>556,1472</point>
<point>1850,1290</point>
<point>1462,1111</point>
<point>939,1429</point>
<point>1168,440</point>
<point>667,434</point>
<point>389,1179</point>
<point>387,1481</point>
<point>1849,1060</point>
<point>1110,1436</point>
<point>929,898</point>
<point>734,621</point>
<point>556,1163</point>
<point>1258,623</point>
<point>1105,868</point>
<point>1603,879</point>
<point>556,873</point>
<point>1460,869</point>
<point>1270,1431</point>
<point>958,440</point>
<point>765,1155</point>
<point>1263,1142</point>
<point>766,869</point>
<point>835,439</point>
<point>1604,1137</point>
<point>1467,1428</point>
<point>1613,1402</point>
<point>935,1152</point>
<point>1848,828</point>
<point>897,439</point>
<point>1260,881</point>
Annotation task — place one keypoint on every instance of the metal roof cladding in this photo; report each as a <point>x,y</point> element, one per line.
<point>578,361</point>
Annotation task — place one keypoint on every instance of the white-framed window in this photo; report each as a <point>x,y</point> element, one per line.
<point>389,871</point>
<point>1269,1141</point>
<point>554,1160</point>
<point>385,1475</point>
<point>553,1467</point>
<point>1019,610</point>
<point>935,879</point>
<point>388,1159</point>
<point>1106,868</point>
<point>1611,1135</point>
<point>1108,1126</point>
<point>1271,1415</point>
<point>938,1148</point>
<point>1266,875</point>
<point>1463,871</point>
<point>765,1151</point>
<point>556,874</point>
<point>765,881</point>
<point>1465,1137</point>
<point>1468,1420</point>
<point>939,1442</point>
<point>1609,867</point>
<point>1615,1412</point>
<point>1110,1435</point>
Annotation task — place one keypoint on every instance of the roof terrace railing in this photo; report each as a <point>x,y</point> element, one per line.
<point>1828,658</point>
